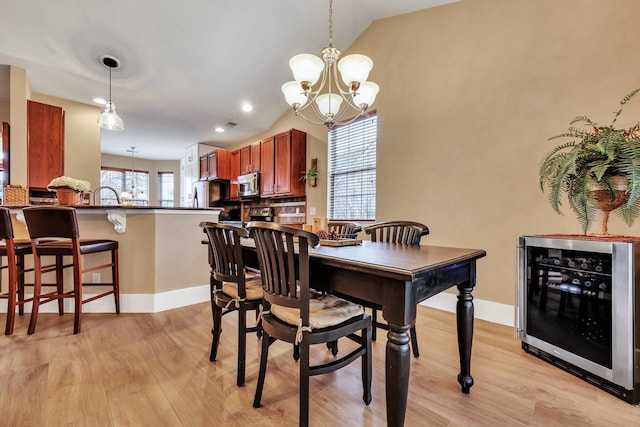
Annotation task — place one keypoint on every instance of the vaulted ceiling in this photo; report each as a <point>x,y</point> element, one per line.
<point>186,66</point>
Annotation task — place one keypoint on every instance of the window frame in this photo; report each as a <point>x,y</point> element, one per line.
<point>168,203</point>
<point>123,186</point>
<point>367,172</point>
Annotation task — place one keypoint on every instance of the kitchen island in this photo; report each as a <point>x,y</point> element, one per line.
<point>163,263</point>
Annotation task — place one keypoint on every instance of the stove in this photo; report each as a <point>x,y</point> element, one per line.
<point>261,213</point>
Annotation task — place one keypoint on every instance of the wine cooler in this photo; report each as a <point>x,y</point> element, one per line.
<point>577,308</point>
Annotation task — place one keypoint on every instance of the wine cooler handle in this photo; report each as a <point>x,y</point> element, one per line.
<point>519,281</point>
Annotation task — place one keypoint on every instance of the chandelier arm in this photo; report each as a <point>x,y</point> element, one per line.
<point>336,77</point>
<point>306,104</point>
<point>302,116</point>
<point>312,94</point>
<point>338,116</point>
<point>354,118</point>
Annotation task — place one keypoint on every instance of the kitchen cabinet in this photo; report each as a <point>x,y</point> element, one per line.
<point>250,158</point>
<point>283,162</point>
<point>190,170</point>
<point>204,167</point>
<point>45,143</point>
<point>235,171</point>
<point>219,164</point>
<point>215,165</point>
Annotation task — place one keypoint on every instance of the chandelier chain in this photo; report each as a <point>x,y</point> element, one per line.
<point>330,23</point>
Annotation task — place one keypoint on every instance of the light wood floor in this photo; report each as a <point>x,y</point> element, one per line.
<point>153,370</point>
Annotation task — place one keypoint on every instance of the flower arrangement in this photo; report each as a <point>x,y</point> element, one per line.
<point>69,183</point>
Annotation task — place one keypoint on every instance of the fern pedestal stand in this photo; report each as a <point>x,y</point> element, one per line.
<point>608,200</point>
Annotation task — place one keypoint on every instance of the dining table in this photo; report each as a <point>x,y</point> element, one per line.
<point>396,278</point>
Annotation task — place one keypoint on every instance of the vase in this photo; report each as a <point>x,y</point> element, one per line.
<point>608,200</point>
<point>68,197</point>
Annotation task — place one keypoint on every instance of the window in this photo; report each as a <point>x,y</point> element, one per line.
<point>165,189</point>
<point>352,170</point>
<point>123,180</point>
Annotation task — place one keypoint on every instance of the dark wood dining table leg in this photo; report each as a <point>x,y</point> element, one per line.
<point>464,317</point>
<point>398,362</point>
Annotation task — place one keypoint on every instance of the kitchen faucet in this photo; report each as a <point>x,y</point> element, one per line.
<point>105,187</point>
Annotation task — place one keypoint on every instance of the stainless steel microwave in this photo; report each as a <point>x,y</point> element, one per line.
<point>249,185</point>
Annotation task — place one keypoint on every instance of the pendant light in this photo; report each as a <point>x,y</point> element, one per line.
<point>109,119</point>
<point>129,196</point>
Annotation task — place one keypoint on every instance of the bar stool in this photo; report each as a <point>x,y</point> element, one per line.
<point>60,224</point>
<point>14,251</point>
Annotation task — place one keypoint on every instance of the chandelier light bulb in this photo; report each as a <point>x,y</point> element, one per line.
<point>366,95</point>
<point>306,68</point>
<point>329,104</point>
<point>355,68</point>
<point>294,94</point>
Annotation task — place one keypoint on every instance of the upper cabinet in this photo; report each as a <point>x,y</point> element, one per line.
<point>204,167</point>
<point>45,143</point>
<point>216,165</point>
<point>283,162</point>
<point>250,158</point>
<point>235,172</point>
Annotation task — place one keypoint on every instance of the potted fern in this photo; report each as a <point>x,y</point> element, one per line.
<point>598,170</point>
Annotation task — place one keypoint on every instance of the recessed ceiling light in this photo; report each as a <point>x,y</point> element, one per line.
<point>99,101</point>
<point>219,129</point>
<point>246,108</point>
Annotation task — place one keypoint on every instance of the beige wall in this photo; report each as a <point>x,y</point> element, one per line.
<point>469,94</point>
<point>19,92</point>
<point>151,166</point>
<point>4,111</point>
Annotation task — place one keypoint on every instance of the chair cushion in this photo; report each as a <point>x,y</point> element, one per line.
<point>253,284</point>
<point>88,246</point>
<point>22,247</point>
<point>324,311</point>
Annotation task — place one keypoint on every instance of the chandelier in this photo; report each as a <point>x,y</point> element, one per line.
<point>325,104</point>
<point>109,119</point>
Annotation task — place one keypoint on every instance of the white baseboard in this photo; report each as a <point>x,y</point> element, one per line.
<point>131,303</point>
<point>154,303</point>
<point>486,310</point>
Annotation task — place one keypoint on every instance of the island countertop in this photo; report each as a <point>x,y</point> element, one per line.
<point>163,263</point>
<point>117,215</point>
<point>179,208</point>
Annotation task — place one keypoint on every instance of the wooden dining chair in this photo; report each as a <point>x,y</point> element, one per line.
<point>294,313</point>
<point>233,288</point>
<point>399,232</point>
<point>344,228</point>
<point>54,233</point>
<point>14,252</point>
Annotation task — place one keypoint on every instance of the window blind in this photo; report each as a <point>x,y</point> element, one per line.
<point>165,188</point>
<point>352,170</point>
